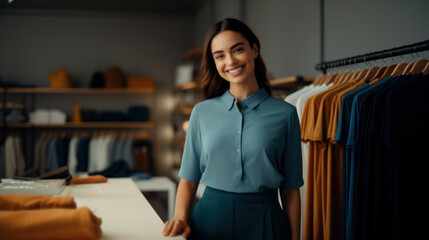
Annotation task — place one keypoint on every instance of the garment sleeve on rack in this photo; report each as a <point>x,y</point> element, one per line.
<point>10,157</point>
<point>291,166</point>
<point>190,166</point>
<point>72,160</point>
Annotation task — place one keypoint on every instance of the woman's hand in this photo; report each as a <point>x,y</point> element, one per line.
<point>175,227</point>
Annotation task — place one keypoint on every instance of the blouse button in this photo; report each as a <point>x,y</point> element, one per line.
<point>238,150</point>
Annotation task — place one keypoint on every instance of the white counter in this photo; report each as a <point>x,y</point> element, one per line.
<point>125,212</point>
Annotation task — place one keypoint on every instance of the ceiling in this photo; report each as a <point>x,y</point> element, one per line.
<point>176,7</point>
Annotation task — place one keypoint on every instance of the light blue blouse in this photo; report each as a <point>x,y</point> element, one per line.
<point>252,150</point>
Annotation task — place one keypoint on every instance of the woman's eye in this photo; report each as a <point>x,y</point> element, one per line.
<point>238,50</point>
<point>218,56</point>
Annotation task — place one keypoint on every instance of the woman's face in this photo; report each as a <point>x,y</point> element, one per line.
<point>234,57</point>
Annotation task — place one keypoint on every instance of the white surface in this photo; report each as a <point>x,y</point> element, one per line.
<point>125,212</point>
<point>200,191</point>
<point>160,184</point>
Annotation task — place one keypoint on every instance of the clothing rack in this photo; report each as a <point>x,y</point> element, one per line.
<point>403,50</point>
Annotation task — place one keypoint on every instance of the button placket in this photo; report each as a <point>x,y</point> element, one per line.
<point>239,163</point>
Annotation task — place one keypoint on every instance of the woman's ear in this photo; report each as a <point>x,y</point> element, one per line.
<point>256,50</point>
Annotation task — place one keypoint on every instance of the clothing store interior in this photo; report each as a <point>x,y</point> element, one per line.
<point>96,97</point>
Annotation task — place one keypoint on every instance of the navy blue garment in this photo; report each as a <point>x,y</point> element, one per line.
<point>62,148</point>
<point>138,114</point>
<point>354,143</point>
<point>373,200</point>
<point>82,154</point>
<point>111,116</point>
<point>406,138</point>
<point>239,216</point>
<point>341,139</point>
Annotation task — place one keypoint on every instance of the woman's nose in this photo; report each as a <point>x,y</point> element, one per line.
<point>230,59</point>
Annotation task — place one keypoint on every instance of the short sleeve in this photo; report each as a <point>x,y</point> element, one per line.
<point>291,167</point>
<point>190,166</point>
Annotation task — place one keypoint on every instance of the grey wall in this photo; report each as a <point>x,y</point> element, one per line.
<point>34,43</point>
<point>358,27</point>
<point>289,31</point>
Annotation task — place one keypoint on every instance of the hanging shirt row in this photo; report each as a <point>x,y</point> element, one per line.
<point>363,137</point>
<point>81,153</point>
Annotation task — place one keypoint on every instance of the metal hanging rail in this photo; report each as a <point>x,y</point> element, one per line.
<point>403,50</point>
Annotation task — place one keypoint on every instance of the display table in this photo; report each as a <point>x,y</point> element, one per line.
<point>160,184</point>
<point>125,212</point>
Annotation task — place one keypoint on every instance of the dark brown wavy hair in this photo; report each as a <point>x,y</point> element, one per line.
<point>212,84</point>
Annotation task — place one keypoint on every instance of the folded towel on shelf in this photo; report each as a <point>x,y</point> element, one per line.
<point>53,223</point>
<point>34,201</point>
<point>90,179</point>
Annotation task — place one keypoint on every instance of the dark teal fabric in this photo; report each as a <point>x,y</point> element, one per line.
<point>239,216</point>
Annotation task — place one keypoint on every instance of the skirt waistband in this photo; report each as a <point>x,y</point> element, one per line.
<point>270,195</point>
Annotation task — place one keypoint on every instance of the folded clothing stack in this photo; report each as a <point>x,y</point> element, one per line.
<point>15,116</point>
<point>28,216</point>
<point>48,116</point>
<point>138,113</point>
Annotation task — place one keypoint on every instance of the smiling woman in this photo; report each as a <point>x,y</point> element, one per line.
<point>243,144</point>
<point>241,39</point>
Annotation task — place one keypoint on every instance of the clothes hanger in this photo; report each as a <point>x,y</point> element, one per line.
<point>418,66</point>
<point>377,75</point>
<point>425,70</point>
<point>388,71</point>
<point>361,74</point>
<point>334,77</point>
<point>408,68</point>
<point>399,69</point>
<point>342,77</point>
<point>370,73</point>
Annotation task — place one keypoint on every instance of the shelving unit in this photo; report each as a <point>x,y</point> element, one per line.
<point>27,97</point>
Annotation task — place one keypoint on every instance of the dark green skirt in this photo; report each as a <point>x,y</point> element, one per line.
<point>224,215</point>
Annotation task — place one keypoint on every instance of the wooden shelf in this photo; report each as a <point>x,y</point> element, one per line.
<point>187,86</point>
<point>288,82</point>
<point>81,90</point>
<point>84,125</point>
<point>12,106</point>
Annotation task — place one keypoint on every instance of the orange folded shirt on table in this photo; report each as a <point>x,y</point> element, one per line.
<point>33,201</point>
<point>31,216</point>
<point>50,223</point>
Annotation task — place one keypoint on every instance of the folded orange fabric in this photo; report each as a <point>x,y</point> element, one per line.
<point>90,179</point>
<point>59,79</point>
<point>140,82</point>
<point>114,78</point>
<point>33,201</point>
<point>53,223</point>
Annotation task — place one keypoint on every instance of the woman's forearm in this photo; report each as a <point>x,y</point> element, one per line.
<point>291,202</point>
<point>184,198</point>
